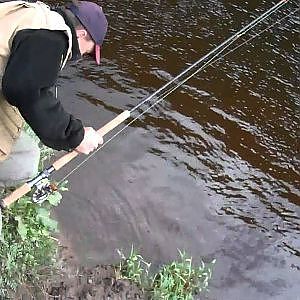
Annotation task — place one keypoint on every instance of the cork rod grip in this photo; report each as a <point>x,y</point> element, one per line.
<point>114,123</point>
<point>64,160</point>
<point>16,194</point>
<point>103,131</point>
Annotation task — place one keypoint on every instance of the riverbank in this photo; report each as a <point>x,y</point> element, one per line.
<point>130,279</point>
<point>37,263</point>
<point>73,281</point>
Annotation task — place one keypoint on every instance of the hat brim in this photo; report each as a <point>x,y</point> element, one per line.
<point>97,54</point>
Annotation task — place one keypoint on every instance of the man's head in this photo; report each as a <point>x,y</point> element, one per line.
<point>92,28</point>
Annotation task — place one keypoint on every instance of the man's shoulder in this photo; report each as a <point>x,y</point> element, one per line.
<point>41,39</point>
<point>43,35</point>
<point>37,43</point>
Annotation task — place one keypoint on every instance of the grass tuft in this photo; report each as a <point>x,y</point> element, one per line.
<point>179,280</point>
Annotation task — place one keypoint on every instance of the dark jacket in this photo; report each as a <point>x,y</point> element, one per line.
<point>31,72</point>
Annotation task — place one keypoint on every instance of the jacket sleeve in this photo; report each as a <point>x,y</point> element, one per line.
<point>31,71</point>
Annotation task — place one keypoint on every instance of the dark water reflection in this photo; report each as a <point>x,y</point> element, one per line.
<point>214,168</point>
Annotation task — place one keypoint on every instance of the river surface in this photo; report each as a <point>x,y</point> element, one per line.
<point>214,168</point>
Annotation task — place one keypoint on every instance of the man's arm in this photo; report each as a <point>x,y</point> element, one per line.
<point>32,69</point>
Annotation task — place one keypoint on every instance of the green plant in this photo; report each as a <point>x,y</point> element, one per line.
<point>27,249</point>
<point>133,267</point>
<point>179,280</point>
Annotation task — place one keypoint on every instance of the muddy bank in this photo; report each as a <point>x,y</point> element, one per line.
<point>98,282</point>
<point>74,281</point>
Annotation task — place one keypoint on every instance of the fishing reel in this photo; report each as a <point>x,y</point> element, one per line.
<point>42,186</point>
<point>42,190</point>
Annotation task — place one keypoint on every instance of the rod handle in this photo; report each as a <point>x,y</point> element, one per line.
<point>103,131</point>
<point>16,194</point>
<point>64,160</point>
<point>114,122</point>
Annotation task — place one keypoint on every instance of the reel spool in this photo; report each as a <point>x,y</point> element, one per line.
<point>42,190</point>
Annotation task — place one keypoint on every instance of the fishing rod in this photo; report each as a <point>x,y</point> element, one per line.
<point>169,91</point>
<point>41,182</point>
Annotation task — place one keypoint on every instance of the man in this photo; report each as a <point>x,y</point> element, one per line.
<point>35,44</point>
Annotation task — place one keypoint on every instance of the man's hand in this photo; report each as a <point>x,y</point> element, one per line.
<point>91,140</point>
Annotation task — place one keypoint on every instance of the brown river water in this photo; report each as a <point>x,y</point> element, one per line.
<point>214,168</point>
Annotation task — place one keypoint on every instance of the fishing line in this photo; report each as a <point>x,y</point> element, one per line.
<point>227,41</point>
<point>211,61</point>
<point>167,92</point>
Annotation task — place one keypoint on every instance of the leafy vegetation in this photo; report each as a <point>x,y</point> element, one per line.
<point>179,280</point>
<point>134,267</point>
<point>27,249</point>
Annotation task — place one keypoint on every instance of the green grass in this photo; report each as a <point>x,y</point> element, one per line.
<point>179,280</point>
<point>133,267</point>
